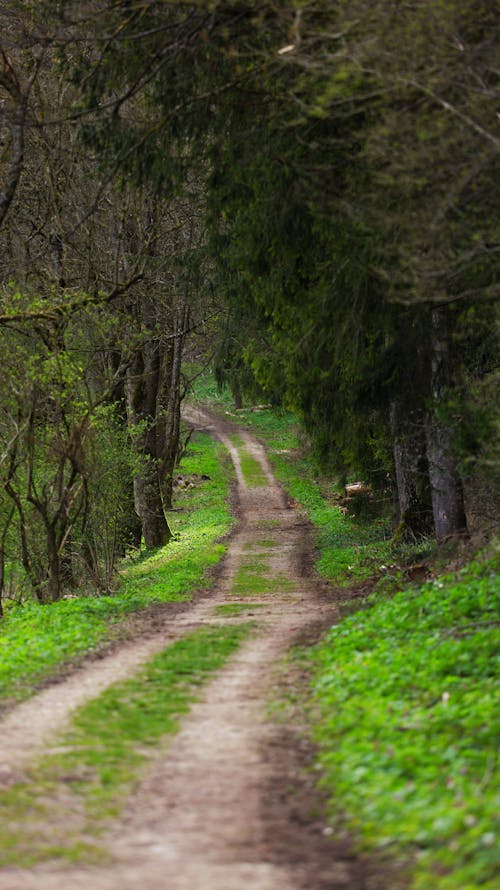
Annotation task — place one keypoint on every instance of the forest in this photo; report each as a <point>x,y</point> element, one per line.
<point>302,194</point>
<point>288,204</point>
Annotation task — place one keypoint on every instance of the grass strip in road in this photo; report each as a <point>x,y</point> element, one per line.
<point>408,725</point>
<point>252,579</point>
<point>255,579</point>
<point>72,794</point>
<point>233,610</point>
<point>268,544</point>
<point>253,472</point>
<point>35,641</point>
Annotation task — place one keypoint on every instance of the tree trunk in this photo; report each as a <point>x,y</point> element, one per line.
<point>142,393</point>
<point>236,393</point>
<point>54,574</point>
<point>149,507</point>
<point>170,407</point>
<point>446,484</point>
<point>3,540</point>
<point>414,517</point>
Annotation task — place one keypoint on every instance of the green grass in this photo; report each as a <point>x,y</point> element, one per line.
<point>408,726</point>
<point>232,610</point>
<point>262,544</point>
<point>74,793</point>
<point>35,640</point>
<point>252,579</point>
<point>252,471</point>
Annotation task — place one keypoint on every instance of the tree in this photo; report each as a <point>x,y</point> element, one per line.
<point>326,154</point>
<point>50,407</point>
<point>17,78</point>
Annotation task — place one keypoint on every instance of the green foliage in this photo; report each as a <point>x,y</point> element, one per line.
<point>109,741</point>
<point>408,711</point>
<point>35,641</point>
<point>107,530</point>
<point>67,466</point>
<point>348,188</point>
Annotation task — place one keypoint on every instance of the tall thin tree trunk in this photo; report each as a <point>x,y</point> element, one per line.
<point>54,572</point>
<point>141,392</point>
<point>171,407</point>
<point>446,484</point>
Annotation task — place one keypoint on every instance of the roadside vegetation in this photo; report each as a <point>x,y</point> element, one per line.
<point>404,702</point>
<point>36,641</point>
<point>407,725</point>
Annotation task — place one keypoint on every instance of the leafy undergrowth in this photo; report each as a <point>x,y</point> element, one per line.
<point>72,794</point>
<point>408,717</point>
<point>36,640</point>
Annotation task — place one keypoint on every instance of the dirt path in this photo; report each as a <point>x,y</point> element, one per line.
<point>197,819</point>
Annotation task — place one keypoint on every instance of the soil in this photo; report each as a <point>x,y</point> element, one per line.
<point>231,803</point>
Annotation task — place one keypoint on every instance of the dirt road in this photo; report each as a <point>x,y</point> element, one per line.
<point>214,812</point>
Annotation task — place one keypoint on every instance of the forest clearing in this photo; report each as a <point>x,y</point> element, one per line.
<point>249,444</point>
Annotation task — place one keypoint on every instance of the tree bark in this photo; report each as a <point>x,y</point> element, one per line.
<point>54,569</point>
<point>236,393</point>
<point>19,94</point>
<point>415,516</point>
<point>142,399</point>
<point>446,484</point>
<point>170,406</point>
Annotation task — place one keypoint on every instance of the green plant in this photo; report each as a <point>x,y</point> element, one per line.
<point>408,710</point>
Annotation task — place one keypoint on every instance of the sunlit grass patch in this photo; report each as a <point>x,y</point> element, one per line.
<point>253,473</point>
<point>35,640</point>
<point>255,578</point>
<point>408,725</point>
<point>252,579</point>
<point>111,739</point>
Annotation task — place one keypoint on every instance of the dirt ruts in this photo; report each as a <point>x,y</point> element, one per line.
<point>215,812</point>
